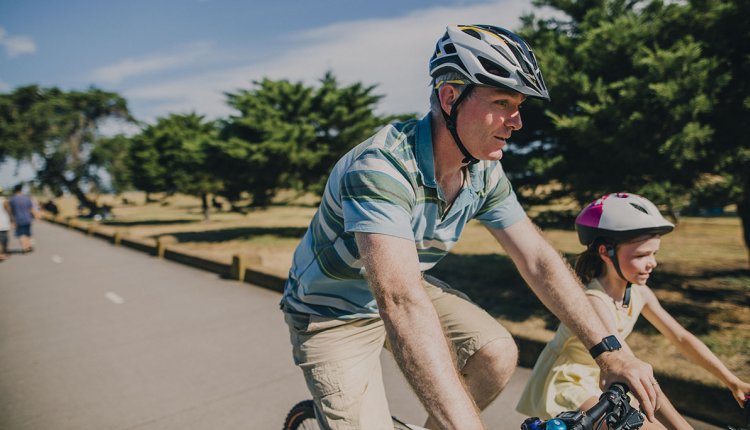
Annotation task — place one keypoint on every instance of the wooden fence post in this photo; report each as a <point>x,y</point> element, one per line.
<point>160,247</point>
<point>237,270</point>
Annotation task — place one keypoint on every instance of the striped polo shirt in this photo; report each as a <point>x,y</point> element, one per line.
<point>387,185</point>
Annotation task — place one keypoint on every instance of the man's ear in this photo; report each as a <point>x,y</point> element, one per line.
<point>448,95</point>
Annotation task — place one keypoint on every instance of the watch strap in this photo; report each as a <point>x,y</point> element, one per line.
<point>609,343</point>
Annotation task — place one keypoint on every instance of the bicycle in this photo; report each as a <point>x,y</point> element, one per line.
<point>613,409</point>
<point>747,417</point>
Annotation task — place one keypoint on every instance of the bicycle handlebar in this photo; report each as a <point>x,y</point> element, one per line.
<point>613,407</point>
<point>746,426</point>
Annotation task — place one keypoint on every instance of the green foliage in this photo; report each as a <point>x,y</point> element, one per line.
<point>648,96</point>
<point>288,135</point>
<point>58,131</point>
<point>113,155</point>
<point>172,155</point>
<point>631,99</point>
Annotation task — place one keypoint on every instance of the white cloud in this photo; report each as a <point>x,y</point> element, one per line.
<point>16,45</point>
<point>392,53</point>
<point>131,67</point>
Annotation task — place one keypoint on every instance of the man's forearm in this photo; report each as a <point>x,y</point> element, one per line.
<point>416,336</point>
<point>560,291</point>
<point>424,356</point>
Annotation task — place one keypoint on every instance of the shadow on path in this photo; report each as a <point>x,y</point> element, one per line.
<point>223,235</point>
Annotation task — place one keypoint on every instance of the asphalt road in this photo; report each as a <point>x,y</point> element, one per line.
<point>94,336</point>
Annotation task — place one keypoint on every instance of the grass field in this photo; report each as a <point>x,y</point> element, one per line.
<point>703,278</point>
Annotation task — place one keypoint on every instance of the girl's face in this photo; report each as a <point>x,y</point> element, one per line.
<point>637,259</point>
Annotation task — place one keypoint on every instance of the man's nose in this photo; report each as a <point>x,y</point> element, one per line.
<point>514,121</point>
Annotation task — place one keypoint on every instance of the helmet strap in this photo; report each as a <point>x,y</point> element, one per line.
<point>612,252</point>
<point>451,121</point>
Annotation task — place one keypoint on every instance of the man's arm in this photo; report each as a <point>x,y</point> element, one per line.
<point>411,322</point>
<point>560,291</point>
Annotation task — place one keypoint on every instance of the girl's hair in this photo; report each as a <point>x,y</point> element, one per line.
<point>588,263</point>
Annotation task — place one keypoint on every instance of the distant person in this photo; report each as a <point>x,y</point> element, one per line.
<point>4,226</point>
<point>622,233</point>
<point>22,212</point>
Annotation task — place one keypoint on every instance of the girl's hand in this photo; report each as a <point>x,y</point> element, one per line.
<point>740,391</point>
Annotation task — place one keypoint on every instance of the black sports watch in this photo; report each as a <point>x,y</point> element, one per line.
<point>609,343</point>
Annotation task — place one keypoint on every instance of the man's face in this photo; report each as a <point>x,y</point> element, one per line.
<point>486,120</point>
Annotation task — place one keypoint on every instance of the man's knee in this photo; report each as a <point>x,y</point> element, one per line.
<point>497,359</point>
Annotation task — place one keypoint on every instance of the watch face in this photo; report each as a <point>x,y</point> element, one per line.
<point>611,343</point>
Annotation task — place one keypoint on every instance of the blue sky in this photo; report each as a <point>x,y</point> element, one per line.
<point>176,56</point>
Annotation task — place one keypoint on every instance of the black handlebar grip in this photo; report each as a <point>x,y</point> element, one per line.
<point>606,400</point>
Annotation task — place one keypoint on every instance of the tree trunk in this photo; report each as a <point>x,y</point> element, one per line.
<point>204,205</point>
<point>72,186</point>
<point>743,210</point>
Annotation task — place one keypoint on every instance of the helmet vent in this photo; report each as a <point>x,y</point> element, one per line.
<point>473,33</point>
<point>639,207</point>
<point>449,48</point>
<point>493,68</point>
<point>506,56</point>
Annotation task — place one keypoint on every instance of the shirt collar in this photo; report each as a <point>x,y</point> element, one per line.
<point>425,155</point>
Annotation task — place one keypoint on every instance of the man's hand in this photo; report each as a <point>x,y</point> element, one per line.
<point>621,366</point>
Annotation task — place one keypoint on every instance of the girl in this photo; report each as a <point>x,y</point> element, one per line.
<point>622,233</point>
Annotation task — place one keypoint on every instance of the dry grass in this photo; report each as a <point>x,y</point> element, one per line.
<point>702,280</point>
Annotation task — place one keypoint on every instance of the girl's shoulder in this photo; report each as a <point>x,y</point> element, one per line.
<point>594,289</point>
<point>647,295</point>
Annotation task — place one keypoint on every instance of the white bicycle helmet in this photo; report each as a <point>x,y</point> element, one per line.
<point>618,217</point>
<point>485,55</point>
<point>489,55</point>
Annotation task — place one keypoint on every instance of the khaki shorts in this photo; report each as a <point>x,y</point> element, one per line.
<point>341,358</point>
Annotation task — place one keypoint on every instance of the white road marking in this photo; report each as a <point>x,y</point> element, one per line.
<point>114,298</point>
<point>57,259</point>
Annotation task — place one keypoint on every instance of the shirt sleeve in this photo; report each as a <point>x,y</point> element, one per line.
<point>501,208</point>
<point>377,196</point>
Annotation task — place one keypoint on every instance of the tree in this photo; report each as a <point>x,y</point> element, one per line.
<point>58,132</point>
<point>112,154</point>
<point>172,155</point>
<point>288,135</point>
<point>640,95</point>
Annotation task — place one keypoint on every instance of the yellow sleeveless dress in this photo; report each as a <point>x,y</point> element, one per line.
<point>565,375</point>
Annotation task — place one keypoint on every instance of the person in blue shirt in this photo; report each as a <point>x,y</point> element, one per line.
<point>22,212</point>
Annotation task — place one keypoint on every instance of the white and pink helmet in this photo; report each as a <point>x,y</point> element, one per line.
<point>618,217</point>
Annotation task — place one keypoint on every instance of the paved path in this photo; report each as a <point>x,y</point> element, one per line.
<point>99,337</point>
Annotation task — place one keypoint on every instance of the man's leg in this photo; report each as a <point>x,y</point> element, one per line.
<point>341,363</point>
<point>23,232</point>
<point>485,351</point>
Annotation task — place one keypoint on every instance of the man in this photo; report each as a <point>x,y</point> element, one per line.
<point>395,205</point>
<point>22,212</point>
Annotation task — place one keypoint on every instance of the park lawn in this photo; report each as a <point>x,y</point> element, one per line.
<point>702,280</point>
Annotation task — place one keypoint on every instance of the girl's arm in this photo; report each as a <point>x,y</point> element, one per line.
<point>690,346</point>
